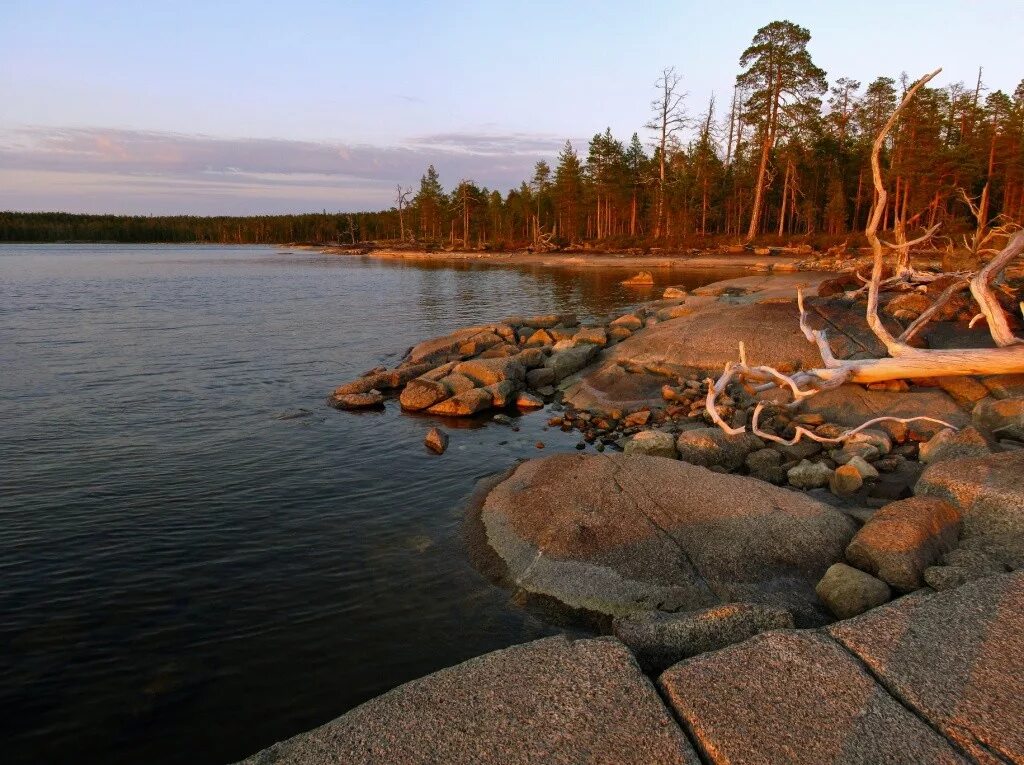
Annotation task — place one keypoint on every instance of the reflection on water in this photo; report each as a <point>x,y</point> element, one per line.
<point>198,557</point>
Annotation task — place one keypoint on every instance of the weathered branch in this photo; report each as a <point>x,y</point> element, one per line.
<point>998,326</point>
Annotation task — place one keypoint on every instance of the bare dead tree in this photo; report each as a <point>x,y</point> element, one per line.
<point>904,361</point>
<point>669,118</point>
<point>401,200</point>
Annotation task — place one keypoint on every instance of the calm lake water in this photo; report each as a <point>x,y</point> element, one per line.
<point>197,556</point>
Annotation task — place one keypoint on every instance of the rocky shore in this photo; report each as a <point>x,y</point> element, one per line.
<point>860,601</point>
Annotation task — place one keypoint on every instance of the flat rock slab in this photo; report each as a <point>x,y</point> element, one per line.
<point>618,534</point>
<point>853,404</point>
<point>551,701</point>
<point>956,658</point>
<point>795,697</point>
<point>988,490</point>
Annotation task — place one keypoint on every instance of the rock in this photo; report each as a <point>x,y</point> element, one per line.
<point>642,279</point>
<point>766,465</point>
<point>464,404</point>
<point>457,383</point>
<point>502,393</point>
<point>908,305</point>
<point>528,401</point>
<point>553,700</point>
<point>440,348</point>
<point>809,475</point>
<point>653,443</point>
<point>966,391</point>
<point>848,591</point>
<point>659,640</point>
<point>538,378</point>
<point>989,491</point>
<point>801,450</point>
<point>797,698</point>
<point>1004,386</point>
<point>995,414</point>
<point>531,358</point>
<point>565,363</point>
<point>595,335</point>
<point>865,469</point>
<point>713,446</point>
<point>672,312</point>
<point>903,539</point>
<point>848,451</point>
<point>502,419</point>
<point>845,480</point>
<point>616,534</point>
<point>629,321</point>
<point>542,322</point>
<point>956,658</point>
<point>618,334</point>
<point>951,444</point>
<point>539,339</point>
<point>637,419</point>
<point>490,371</point>
<point>436,440</point>
<point>357,400</point>
<point>422,393</point>
<point>674,292</point>
<point>852,405</point>
<point>872,437</point>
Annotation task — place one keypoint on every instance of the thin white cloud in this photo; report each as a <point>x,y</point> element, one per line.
<point>313,172</point>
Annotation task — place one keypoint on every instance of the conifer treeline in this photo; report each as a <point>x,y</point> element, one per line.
<point>788,156</point>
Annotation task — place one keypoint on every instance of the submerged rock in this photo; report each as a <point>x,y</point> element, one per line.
<point>436,440</point>
<point>357,400</point>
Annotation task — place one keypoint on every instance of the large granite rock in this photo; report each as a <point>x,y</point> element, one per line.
<point>956,659</point>
<point>713,446</point>
<point>616,534</point>
<point>461,343</point>
<point>848,591</point>
<point>552,701</point>
<point>903,539</point>
<point>795,698</point>
<point>853,405</point>
<point>988,490</point>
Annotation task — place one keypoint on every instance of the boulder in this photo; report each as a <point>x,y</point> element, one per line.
<point>865,469</point>
<point>796,698</point>
<point>565,363</point>
<point>490,371</point>
<point>538,378</point>
<point>659,640</point>
<point>436,440</point>
<point>903,539</point>
<point>464,404</point>
<point>809,475</point>
<point>545,321</point>
<point>952,444</point>
<point>1004,386</point>
<point>713,446</point>
<point>440,348</point>
<point>848,591</point>
<point>502,393</point>
<point>989,491</point>
<point>653,443</point>
<point>630,321</point>
<point>553,700</point>
<point>615,534</point>
<point>642,279</point>
<point>674,292</point>
<point>539,339</point>
<point>995,414</point>
<point>766,464</point>
<point>421,393</point>
<point>531,358</point>
<point>852,405</point>
<point>357,400</point>
<point>845,480</point>
<point>528,401</point>
<point>596,335</point>
<point>672,312</point>
<point>956,658</point>
<point>618,334</point>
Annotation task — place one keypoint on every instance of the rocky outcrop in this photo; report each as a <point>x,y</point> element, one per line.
<point>796,698</point>
<point>989,491</point>
<point>904,538</point>
<point>553,701</point>
<point>620,534</point>
<point>659,640</point>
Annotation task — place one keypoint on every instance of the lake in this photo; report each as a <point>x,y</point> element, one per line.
<point>198,557</point>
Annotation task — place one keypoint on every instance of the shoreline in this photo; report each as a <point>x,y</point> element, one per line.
<point>624,261</point>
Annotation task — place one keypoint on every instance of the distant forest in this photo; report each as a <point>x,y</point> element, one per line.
<point>787,156</point>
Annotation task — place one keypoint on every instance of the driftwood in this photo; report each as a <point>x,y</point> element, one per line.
<point>904,361</point>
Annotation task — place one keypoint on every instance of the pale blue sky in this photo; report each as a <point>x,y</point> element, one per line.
<point>247,107</point>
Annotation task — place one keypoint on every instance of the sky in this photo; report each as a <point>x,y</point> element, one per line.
<point>255,107</point>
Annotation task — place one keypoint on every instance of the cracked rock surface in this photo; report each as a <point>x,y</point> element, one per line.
<point>616,534</point>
